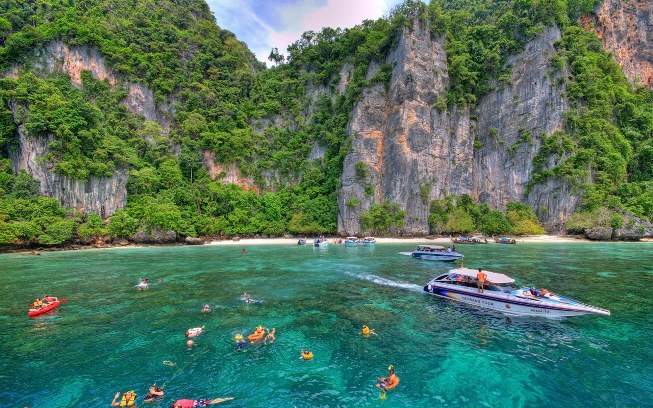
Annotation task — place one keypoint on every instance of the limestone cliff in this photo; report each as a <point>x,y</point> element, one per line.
<point>510,122</point>
<point>407,151</point>
<point>102,195</point>
<point>626,30</point>
<point>403,149</point>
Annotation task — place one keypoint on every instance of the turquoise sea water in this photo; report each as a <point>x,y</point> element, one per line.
<point>110,337</point>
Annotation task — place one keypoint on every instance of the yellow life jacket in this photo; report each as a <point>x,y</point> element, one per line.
<point>366,330</point>
<point>127,402</point>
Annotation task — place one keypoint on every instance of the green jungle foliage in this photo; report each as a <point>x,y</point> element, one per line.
<point>606,150</point>
<point>463,215</point>
<point>382,218</point>
<point>265,121</point>
<point>25,216</point>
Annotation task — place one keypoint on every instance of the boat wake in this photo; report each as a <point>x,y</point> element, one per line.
<point>406,253</point>
<point>388,282</point>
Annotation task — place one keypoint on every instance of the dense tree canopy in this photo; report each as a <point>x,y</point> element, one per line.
<point>224,104</point>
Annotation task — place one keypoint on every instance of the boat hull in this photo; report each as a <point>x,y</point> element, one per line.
<point>444,257</point>
<point>510,304</point>
<point>46,309</point>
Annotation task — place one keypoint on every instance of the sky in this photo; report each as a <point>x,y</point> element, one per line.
<point>264,24</point>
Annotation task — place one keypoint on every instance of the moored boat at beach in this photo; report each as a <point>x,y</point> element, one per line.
<point>436,253</point>
<point>320,242</point>
<point>353,241</point>
<point>469,240</point>
<point>505,240</point>
<point>501,294</point>
<point>368,241</point>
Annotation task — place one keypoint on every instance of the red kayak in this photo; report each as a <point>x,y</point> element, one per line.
<point>44,309</point>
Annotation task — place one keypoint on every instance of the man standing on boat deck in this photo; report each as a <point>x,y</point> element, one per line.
<point>481,277</point>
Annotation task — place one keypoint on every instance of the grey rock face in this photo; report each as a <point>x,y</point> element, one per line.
<point>408,149</point>
<point>156,236</point>
<point>510,123</point>
<point>413,153</point>
<point>194,241</point>
<point>101,195</point>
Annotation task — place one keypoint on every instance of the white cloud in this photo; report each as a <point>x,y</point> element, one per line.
<point>267,24</point>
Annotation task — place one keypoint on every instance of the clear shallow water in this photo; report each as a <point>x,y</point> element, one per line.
<point>110,337</point>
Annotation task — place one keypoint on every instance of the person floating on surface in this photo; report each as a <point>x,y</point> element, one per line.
<point>307,355</point>
<point>366,331</point>
<point>128,399</point>
<point>389,382</point>
<point>189,403</point>
<point>270,336</point>
<point>206,309</point>
<point>154,393</point>
<point>241,343</point>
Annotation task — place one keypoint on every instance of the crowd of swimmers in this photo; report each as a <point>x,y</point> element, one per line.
<point>155,393</point>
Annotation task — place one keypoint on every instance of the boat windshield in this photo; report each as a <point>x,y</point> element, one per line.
<point>504,287</point>
<point>462,280</point>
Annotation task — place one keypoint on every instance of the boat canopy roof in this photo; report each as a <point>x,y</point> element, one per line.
<point>493,277</point>
<point>351,238</point>
<point>431,247</point>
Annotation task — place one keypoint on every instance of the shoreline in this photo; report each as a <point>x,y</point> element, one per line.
<point>553,239</point>
<point>407,240</point>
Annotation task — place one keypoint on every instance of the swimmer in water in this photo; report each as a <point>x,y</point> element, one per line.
<point>206,309</point>
<point>270,336</point>
<point>154,393</point>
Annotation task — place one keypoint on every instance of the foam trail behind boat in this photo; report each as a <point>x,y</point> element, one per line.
<point>388,282</point>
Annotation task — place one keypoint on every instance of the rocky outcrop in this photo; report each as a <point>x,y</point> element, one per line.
<point>403,149</point>
<point>409,149</point>
<point>626,30</point>
<point>100,195</point>
<point>226,173</point>
<point>511,120</point>
<point>73,60</point>
<point>156,236</point>
<point>633,229</point>
<point>194,241</point>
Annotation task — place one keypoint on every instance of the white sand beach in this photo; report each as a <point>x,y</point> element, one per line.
<point>419,240</point>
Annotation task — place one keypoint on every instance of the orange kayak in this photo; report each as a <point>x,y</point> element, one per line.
<point>44,309</point>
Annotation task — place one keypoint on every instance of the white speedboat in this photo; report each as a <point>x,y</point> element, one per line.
<point>502,295</point>
<point>436,253</point>
<point>320,242</point>
<point>353,241</point>
<point>368,241</point>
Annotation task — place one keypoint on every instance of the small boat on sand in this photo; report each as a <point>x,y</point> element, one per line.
<point>469,240</point>
<point>353,241</point>
<point>320,242</point>
<point>501,294</point>
<point>505,240</point>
